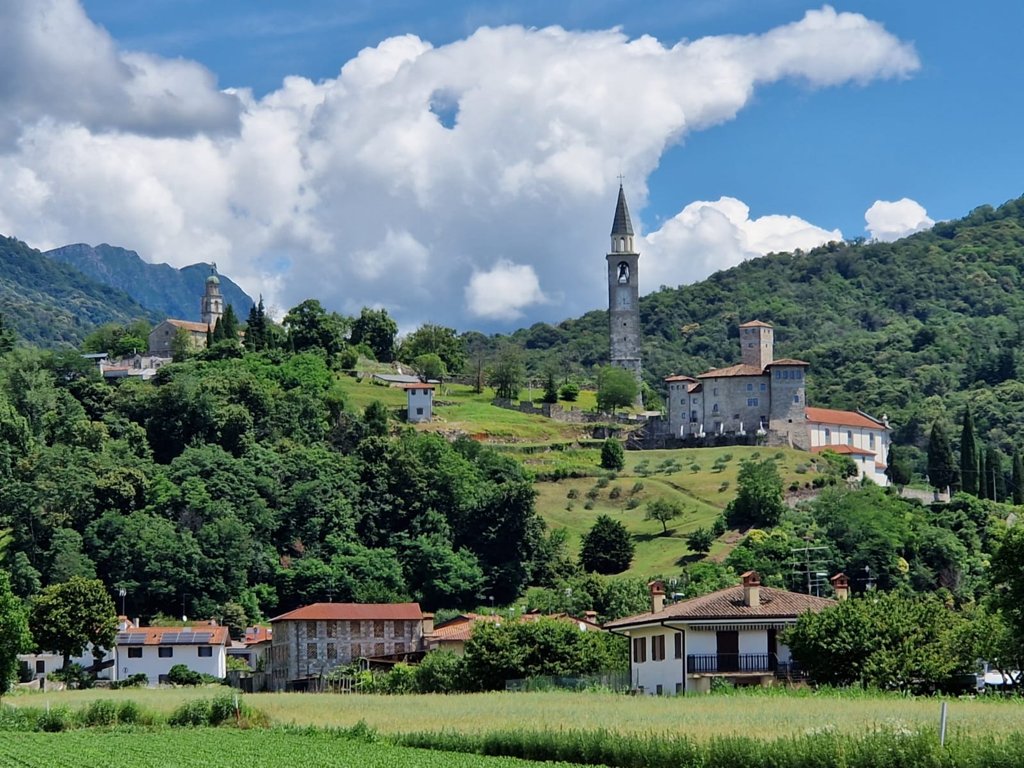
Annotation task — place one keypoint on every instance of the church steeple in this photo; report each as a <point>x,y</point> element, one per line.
<point>622,227</point>
<point>211,307</point>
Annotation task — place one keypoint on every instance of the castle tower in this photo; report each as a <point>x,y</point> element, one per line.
<point>212,305</point>
<point>758,344</point>
<point>624,294</point>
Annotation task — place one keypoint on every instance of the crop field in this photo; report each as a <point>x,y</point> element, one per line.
<point>755,714</point>
<point>212,748</point>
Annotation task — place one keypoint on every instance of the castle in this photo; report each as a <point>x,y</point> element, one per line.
<point>761,396</point>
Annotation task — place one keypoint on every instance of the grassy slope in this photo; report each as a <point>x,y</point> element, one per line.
<point>754,713</point>
<point>701,494</point>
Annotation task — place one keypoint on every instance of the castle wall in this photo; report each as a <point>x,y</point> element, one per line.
<point>732,401</point>
<point>788,417</point>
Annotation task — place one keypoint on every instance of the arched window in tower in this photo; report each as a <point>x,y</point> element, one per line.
<point>623,272</point>
<point>622,244</point>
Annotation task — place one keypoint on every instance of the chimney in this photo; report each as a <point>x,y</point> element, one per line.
<point>841,586</point>
<point>751,589</point>
<point>590,616</point>
<point>428,624</point>
<point>657,596</point>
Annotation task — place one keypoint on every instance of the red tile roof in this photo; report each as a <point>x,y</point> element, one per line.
<point>160,635</point>
<point>461,627</point>
<point>844,418</point>
<point>728,604</point>
<point>257,635</point>
<point>733,370</point>
<point>845,450</point>
<point>679,377</point>
<point>787,361</point>
<point>354,612</point>
<point>414,386</point>
<point>188,325</point>
<point>756,324</point>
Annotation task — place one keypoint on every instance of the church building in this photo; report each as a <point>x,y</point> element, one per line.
<point>624,295</point>
<point>211,308</point>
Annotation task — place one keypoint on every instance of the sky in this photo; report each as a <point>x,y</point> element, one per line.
<point>459,162</point>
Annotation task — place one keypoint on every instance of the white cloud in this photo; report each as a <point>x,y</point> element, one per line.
<point>891,220</point>
<point>708,236</point>
<point>354,191</point>
<point>502,292</point>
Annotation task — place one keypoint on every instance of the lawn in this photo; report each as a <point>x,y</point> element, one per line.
<point>756,713</point>
<point>702,480</point>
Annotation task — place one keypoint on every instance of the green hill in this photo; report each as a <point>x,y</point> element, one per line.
<point>914,328</point>
<point>167,291</point>
<point>53,304</point>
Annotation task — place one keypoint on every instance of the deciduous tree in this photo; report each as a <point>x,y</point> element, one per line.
<point>68,617</point>
<point>664,511</point>
<point>376,329</point>
<point>607,547</point>
<point>616,388</point>
<point>14,634</point>
<point>759,495</point>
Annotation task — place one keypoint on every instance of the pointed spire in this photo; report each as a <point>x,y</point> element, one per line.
<point>622,225</point>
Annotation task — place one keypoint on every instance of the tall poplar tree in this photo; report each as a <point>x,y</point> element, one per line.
<point>969,455</point>
<point>984,486</point>
<point>1018,477</point>
<point>941,467</point>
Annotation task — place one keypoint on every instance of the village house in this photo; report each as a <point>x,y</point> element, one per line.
<point>152,651</point>
<point>311,641</point>
<point>732,634</point>
<point>419,402</point>
<point>863,438</point>
<point>253,648</point>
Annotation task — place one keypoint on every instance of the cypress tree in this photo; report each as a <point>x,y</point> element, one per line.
<point>984,491</point>
<point>941,467</point>
<point>1018,477</point>
<point>969,455</point>
<point>996,478</point>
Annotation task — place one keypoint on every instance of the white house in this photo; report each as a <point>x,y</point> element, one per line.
<point>731,634</point>
<point>154,650</point>
<point>863,438</point>
<point>420,401</point>
<point>44,663</point>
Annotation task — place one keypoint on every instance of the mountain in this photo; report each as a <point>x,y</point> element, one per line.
<point>169,292</point>
<point>53,304</point>
<point>914,329</point>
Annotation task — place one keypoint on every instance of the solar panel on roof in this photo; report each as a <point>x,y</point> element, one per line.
<point>203,637</point>
<point>185,638</point>
<point>137,639</point>
<point>124,637</point>
<point>169,637</point>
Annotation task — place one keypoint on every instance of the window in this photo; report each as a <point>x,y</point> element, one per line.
<point>134,652</point>
<point>41,666</point>
<point>764,387</point>
<point>419,411</point>
<point>750,386</point>
<point>310,629</point>
<point>658,648</point>
<point>399,647</point>
<point>205,651</point>
<point>378,649</point>
<point>871,441</point>
<point>659,689</point>
<point>849,437</point>
<point>828,436</point>
<point>796,398</point>
<point>310,650</point>
<point>679,645</point>
<point>332,651</point>
<point>165,652</point>
<point>778,375</point>
<point>715,391</point>
<point>714,408</point>
<point>357,650</point>
<point>639,650</point>
<point>378,629</point>
<point>751,402</point>
<point>332,629</point>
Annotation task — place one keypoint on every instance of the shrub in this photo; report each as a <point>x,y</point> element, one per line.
<point>570,392</point>
<point>572,494</point>
<point>612,454</point>
<point>138,680</point>
<point>593,493</point>
<point>615,492</point>
<point>720,526</point>
<point>54,720</point>
<point>727,457</point>
<point>637,487</point>
<point>74,676</point>
<point>794,486</point>
<point>192,713</point>
<point>441,672</point>
<point>98,713</point>
<point>801,469</point>
<point>633,503</point>
<point>695,468</point>
<point>589,504</point>
<point>130,713</point>
<point>569,507</point>
<point>724,486</point>
<point>179,674</point>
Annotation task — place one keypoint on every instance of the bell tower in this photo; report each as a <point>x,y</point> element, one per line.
<point>624,293</point>
<point>212,305</point>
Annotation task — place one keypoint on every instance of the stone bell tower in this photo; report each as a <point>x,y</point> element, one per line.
<point>212,304</point>
<point>624,294</point>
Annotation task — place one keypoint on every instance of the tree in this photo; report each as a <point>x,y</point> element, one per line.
<point>984,477</point>
<point>507,373</point>
<point>994,471</point>
<point>7,337</point>
<point>310,326</point>
<point>700,541</point>
<point>897,469</point>
<point>377,330</point>
<point>1007,576</point>
<point>256,336</point>
<point>233,616</point>
<point>969,457</point>
<point>550,389</point>
<point>227,326</point>
<point>430,367</point>
<point>758,495</point>
<point>14,635</point>
<point>616,388</point>
<point>613,457</point>
<point>941,468</point>
<point>437,340</point>
<point>66,618</point>
<point>181,345</point>
<point>607,547</point>
<point>570,391</point>
<point>1018,477</point>
<point>663,510</point>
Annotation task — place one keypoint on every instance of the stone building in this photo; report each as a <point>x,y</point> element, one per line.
<point>624,294</point>
<point>312,640</point>
<point>211,309</point>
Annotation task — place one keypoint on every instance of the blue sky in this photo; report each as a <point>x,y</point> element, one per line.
<point>303,179</point>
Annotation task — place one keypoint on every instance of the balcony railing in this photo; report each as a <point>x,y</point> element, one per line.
<point>734,663</point>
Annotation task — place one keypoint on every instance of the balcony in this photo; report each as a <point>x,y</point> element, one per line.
<point>743,664</point>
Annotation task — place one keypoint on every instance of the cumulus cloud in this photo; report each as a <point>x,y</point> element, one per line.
<point>891,220</point>
<point>708,236</point>
<point>460,184</point>
<point>502,292</point>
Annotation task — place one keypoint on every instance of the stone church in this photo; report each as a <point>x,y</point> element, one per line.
<point>760,397</point>
<point>211,308</point>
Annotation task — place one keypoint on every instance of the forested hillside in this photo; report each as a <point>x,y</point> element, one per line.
<point>53,304</point>
<point>914,329</point>
<point>167,291</point>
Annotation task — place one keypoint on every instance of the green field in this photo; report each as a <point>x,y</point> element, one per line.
<point>669,474</point>
<point>756,714</point>
<point>210,748</point>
